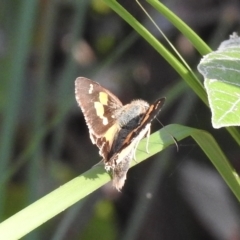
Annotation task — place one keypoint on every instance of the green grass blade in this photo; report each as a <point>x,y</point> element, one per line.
<point>57,201</point>
<point>210,147</point>
<point>16,76</point>
<point>182,70</point>
<point>197,42</point>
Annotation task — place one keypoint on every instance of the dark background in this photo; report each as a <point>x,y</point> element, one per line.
<point>44,142</point>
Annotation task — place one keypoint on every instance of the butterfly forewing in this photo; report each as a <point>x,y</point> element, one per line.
<point>98,106</point>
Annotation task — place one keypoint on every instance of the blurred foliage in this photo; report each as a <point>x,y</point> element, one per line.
<point>103,220</point>
<point>44,46</point>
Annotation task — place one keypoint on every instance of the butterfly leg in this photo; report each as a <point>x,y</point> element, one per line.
<point>147,136</point>
<point>134,152</point>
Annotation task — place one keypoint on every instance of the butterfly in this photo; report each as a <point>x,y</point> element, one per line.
<point>115,128</point>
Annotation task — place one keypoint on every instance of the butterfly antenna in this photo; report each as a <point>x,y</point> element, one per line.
<point>174,139</point>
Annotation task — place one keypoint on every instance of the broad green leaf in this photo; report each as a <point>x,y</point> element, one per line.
<point>221,70</point>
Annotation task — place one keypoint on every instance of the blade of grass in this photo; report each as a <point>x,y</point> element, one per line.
<point>196,41</point>
<point>57,201</point>
<point>41,93</point>
<point>66,84</point>
<point>46,37</point>
<point>20,56</point>
<point>188,76</point>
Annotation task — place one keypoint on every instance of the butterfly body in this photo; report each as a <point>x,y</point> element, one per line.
<point>127,118</point>
<point>115,128</point>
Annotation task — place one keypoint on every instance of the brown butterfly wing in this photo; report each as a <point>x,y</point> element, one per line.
<point>98,106</point>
